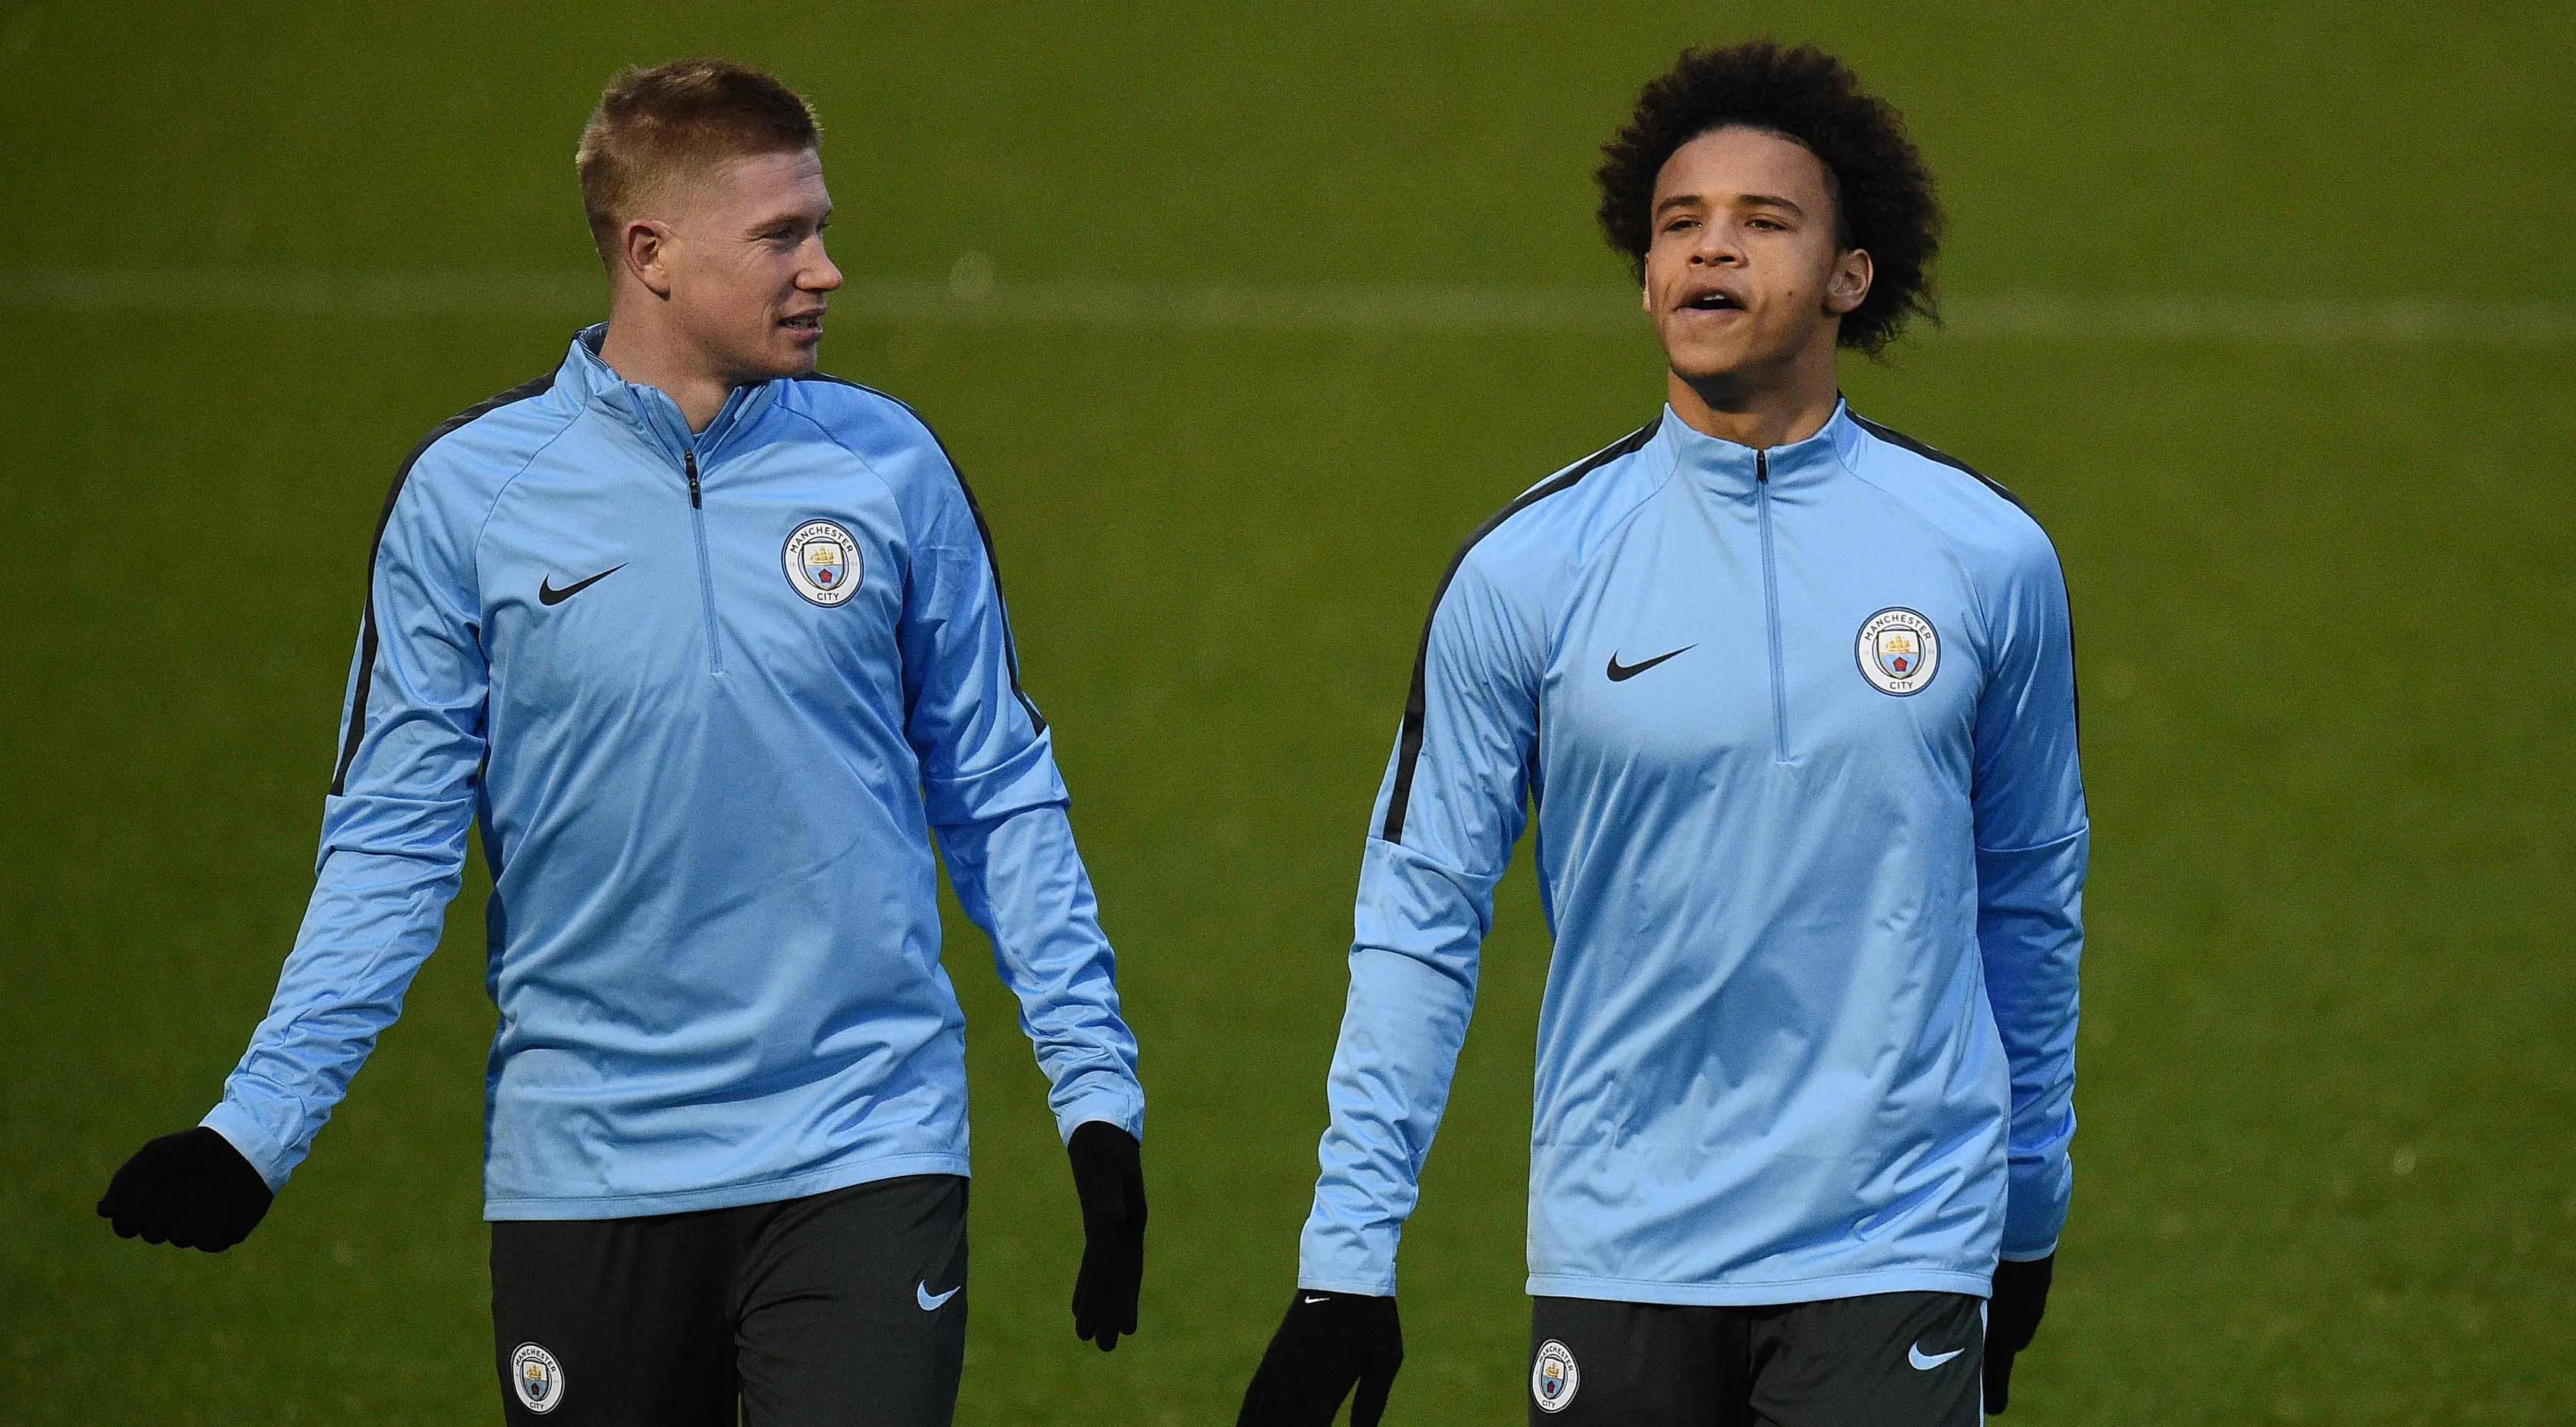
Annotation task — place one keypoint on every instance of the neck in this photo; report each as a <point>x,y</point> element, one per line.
<point>644,347</point>
<point>1770,405</point>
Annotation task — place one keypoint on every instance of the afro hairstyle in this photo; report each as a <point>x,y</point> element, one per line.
<point>1883,195</point>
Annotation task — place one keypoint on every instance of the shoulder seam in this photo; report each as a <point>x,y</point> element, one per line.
<point>1416,702</point>
<point>524,466</point>
<point>846,449</point>
<point>367,636</point>
<point>1899,439</point>
<point>983,530</point>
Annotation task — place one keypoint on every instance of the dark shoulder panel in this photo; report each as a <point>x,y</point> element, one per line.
<point>1898,438</point>
<point>1416,700</point>
<point>357,730</point>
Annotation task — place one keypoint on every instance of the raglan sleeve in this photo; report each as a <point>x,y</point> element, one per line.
<point>999,807</point>
<point>2033,841</point>
<point>1449,809</point>
<point>394,831</point>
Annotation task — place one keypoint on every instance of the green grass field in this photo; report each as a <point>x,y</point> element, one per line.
<point>2319,551</point>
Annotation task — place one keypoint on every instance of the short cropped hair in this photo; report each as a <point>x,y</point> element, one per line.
<point>1883,196</point>
<point>656,124</point>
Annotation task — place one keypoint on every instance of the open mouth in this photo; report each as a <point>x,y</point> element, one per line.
<point>1712,301</point>
<point>805,322</point>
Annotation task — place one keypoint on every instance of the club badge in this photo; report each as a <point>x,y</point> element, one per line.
<point>823,562</point>
<point>1899,651</point>
<point>537,1378</point>
<point>1554,1378</point>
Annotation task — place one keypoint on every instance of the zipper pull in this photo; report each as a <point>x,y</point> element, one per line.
<point>1761,468</point>
<point>689,463</point>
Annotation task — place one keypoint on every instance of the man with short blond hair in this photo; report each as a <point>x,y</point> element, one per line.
<point>711,646</point>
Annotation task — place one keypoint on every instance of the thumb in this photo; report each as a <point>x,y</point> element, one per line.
<point>1999,1365</point>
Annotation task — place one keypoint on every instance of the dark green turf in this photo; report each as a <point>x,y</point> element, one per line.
<point>2326,1173</point>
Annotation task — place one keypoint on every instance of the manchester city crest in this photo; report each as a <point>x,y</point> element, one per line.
<point>1899,651</point>
<point>823,562</point>
<point>1553,1378</point>
<point>537,1378</point>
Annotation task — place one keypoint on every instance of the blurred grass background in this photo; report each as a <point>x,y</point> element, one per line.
<point>2326,1172</point>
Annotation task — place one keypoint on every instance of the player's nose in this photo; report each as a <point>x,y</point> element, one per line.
<point>820,274</point>
<point>1715,252</point>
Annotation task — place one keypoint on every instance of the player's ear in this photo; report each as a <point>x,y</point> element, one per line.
<point>1849,285</point>
<point>644,247</point>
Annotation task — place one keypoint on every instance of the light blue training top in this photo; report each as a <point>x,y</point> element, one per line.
<point>1799,730</point>
<point>710,697</point>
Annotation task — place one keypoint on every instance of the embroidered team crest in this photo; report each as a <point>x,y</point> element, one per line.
<point>1554,1378</point>
<point>537,1377</point>
<point>1899,651</point>
<point>823,562</point>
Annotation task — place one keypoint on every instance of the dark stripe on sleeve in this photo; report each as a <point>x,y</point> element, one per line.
<point>1898,438</point>
<point>993,562</point>
<point>1416,701</point>
<point>357,730</point>
<point>983,531</point>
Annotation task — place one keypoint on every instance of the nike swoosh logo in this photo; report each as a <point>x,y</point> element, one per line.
<point>1318,1298</point>
<point>547,594</point>
<point>1922,1363</point>
<point>928,1300</point>
<point>1620,672</point>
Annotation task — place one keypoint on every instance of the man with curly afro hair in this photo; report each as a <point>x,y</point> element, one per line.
<point>1791,699</point>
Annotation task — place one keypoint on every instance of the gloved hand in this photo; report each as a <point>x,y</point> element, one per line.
<point>2012,1320</point>
<point>191,1189</point>
<point>1109,1175</point>
<point>1329,1344</point>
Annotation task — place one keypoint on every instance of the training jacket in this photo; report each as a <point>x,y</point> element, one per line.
<point>709,697</point>
<point>1798,726</point>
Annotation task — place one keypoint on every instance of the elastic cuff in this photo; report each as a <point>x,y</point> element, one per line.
<point>1365,1288</point>
<point>1127,1112</point>
<point>243,1134</point>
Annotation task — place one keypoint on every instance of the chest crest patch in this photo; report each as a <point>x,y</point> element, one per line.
<point>823,562</point>
<point>1899,651</point>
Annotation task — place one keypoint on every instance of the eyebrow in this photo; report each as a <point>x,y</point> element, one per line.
<point>1747,200</point>
<point>777,221</point>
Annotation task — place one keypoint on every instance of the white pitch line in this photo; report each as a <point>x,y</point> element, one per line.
<point>1389,307</point>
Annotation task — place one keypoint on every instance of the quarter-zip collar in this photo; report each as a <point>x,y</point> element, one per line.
<point>1736,472</point>
<point>649,410</point>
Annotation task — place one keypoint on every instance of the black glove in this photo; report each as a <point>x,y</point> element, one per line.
<point>2012,1320</point>
<point>1328,1343</point>
<point>1109,1175</point>
<point>192,1189</point>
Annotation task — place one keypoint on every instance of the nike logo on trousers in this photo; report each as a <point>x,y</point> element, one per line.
<point>928,1300</point>
<point>1926,1363</point>
<point>547,594</point>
